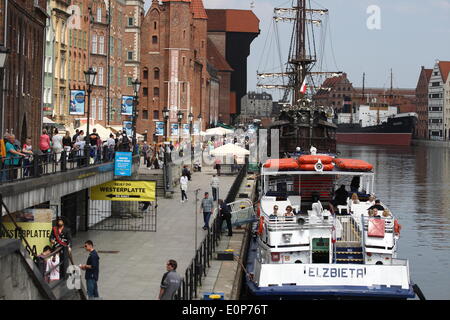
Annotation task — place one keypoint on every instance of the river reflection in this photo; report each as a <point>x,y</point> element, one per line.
<point>414,182</point>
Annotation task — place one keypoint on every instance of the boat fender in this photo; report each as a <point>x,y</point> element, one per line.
<point>258,210</point>
<point>261,225</point>
<point>397,226</point>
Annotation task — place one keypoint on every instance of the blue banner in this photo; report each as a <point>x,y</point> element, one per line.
<point>77,102</point>
<point>186,129</point>
<point>127,105</point>
<point>128,128</point>
<point>174,130</point>
<point>159,128</point>
<point>123,164</point>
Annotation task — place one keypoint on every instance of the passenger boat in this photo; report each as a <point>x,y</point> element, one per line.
<point>323,252</point>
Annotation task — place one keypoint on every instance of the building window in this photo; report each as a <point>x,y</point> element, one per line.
<point>130,21</point>
<point>145,74</point>
<point>99,14</point>
<point>130,55</point>
<point>101,45</point>
<point>100,109</point>
<point>156,114</point>
<point>155,40</point>
<point>145,115</point>
<point>145,92</point>
<point>156,92</point>
<point>129,82</point>
<point>155,25</point>
<point>94,108</point>
<point>94,43</point>
<point>100,76</point>
<point>156,73</point>
<point>435,84</point>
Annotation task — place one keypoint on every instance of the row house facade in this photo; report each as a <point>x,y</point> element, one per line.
<point>422,103</point>
<point>438,124</point>
<point>22,32</point>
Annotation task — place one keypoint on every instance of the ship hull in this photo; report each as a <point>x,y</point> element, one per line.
<point>396,131</point>
<point>394,139</point>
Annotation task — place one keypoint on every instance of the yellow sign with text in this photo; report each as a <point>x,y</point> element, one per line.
<point>125,191</point>
<point>37,234</point>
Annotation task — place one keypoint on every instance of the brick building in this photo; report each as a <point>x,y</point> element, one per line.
<point>336,92</point>
<point>22,31</point>
<point>232,32</point>
<point>422,103</point>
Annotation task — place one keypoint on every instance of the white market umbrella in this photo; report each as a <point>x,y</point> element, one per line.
<point>219,131</point>
<point>101,130</point>
<point>47,120</point>
<point>230,149</point>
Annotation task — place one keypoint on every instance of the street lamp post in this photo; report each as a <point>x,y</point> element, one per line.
<point>165,113</point>
<point>3,56</point>
<point>180,118</point>
<point>136,86</point>
<point>90,79</point>
<point>191,119</point>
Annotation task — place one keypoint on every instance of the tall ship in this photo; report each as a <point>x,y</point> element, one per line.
<point>310,241</point>
<point>301,122</point>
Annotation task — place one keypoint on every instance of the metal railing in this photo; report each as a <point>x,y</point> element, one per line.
<point>350,229</point>
<point>20,168</point>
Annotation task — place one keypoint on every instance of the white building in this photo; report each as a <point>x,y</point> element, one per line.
<point>438,121</point>
<point>367,115</point>
<point>256,104</point>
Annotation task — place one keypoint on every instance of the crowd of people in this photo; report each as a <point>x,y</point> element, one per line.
<point>79,148</point>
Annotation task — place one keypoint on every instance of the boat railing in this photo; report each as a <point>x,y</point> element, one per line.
<point>280,223</point>
<point>388,223</point>
<point>351,231</point>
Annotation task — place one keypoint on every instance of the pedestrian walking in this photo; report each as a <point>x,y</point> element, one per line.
<point>145,148</point>
<point>215,187</point>
<point>170,282</point>
<point>217,166</point>
<point>52,268</point>
<point>67,142</point>
<point>92,268</point>
<point>225,214</point>
<point>27,149</point>
<point>13,158</point>
<point>206,205</point>
<point>111,145</point>
<point>184,185</point>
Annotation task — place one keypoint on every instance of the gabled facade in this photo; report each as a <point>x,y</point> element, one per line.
<point>436,97</point>
<point>422,103</point>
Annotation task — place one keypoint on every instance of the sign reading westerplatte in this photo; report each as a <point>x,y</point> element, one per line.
<point>125,191</point>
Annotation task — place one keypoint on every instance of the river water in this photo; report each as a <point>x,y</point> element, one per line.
<point>414,182</point>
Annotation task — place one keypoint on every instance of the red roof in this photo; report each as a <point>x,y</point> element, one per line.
<point>444,66</point>
<point>428,73</point>
<point>216,58</point>
<point>198,9</point>
<point>232,20</point>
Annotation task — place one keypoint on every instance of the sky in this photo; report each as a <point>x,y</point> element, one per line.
<point>404,35</point>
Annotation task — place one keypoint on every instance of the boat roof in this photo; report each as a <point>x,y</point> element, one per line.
<point>335,172</point>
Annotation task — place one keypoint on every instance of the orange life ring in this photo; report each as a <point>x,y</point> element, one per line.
<point>397,226</point>
<point>261,225</point>
<point>312,159</point>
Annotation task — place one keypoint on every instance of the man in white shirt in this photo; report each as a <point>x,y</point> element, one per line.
<point>215,187</point>
<point>111,144</point>
<point>183,185</point>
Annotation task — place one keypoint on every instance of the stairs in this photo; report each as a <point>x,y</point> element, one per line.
<point>349,255</point>
<point>155,176</point>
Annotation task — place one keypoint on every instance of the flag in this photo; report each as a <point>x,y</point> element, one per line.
<point>303,88</point>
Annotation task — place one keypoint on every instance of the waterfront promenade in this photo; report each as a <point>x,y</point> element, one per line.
<point>134,271</point>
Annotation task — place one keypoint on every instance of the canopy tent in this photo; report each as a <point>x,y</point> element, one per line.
<point>101,130</point>
<point>230,149</point>
<point>46,120</point>
<point>219,131</point>
<point>226,126</point>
